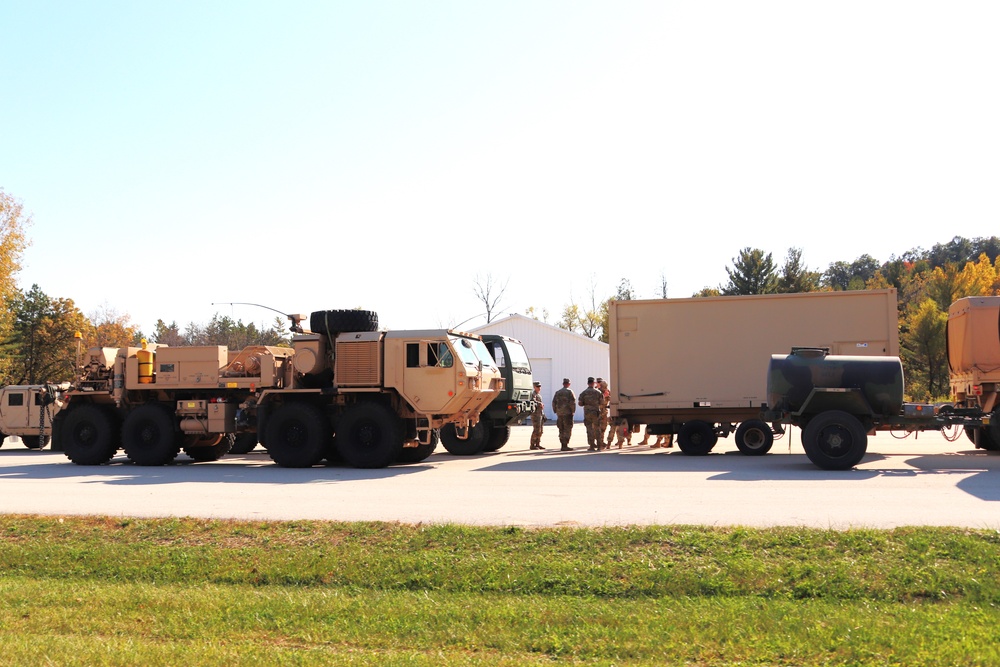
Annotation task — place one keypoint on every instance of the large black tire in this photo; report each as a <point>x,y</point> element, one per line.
<point>696,437</point>
<point>334,321</point>
<point>34,441</point>
<point>420,452</point>
<point>89,435</point>
<point>203,453</point>
<point>835,440</point>
<point>369,435</point>
<point>3,436</point>
<point>986,439</point>
<point>150,436</point>
<point>297,435</point>
<point>244,443</point>
<point>754,437</point>
<point>474,444</point>
<point>497,438</point>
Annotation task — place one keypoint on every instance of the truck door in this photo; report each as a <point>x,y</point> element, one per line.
<point>15,408</point>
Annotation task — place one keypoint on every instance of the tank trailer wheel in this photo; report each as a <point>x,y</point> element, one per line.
<point>497,438</point>
<point>835,440</point>
<point>696,437</point>
<point>297,434</point>
<point>205,453</point>
<point>244,443</point>
<point>754,437</point>
<point>89,435</point>
<point>149,435</point>
<point>370,435</point>
<point>474,444</point>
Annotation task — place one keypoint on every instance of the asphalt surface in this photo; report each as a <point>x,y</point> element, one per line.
<point>923,480</point>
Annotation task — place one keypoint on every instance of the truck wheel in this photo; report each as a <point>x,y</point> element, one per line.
<point>474,444</point>
<point>34,441</point>
<point>297,434</point>
<point>420,452</point>
<point>986,439</point>
<point>370,435</point>
<point>835,440</point>
<point>150,436</point>
<point>754,437</point>
<point>89,435</point>
<point>244,443</point>
<point>498,437</point>
<point>335,321</point>
<point>696,437</point>
<point>205,453</point>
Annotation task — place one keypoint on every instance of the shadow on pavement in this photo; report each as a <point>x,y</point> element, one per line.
<point>254,468</point>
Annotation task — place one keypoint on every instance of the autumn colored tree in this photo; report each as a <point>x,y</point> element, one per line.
<point>110,328</point>
<point>13,241</point>
<point>43,338</point>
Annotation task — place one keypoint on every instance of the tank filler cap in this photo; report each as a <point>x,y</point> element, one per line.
<point>811,352</point>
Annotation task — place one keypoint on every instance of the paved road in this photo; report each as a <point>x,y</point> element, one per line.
<point>914,481</point>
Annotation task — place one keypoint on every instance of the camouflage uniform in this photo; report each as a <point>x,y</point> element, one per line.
<point>602,386</point>
<point>590,399</point>
<point>537,419</point>
<point>666,440</point>
<point>564,405</point>
<point>623,431</point>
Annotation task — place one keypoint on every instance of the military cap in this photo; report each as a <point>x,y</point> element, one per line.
<point>590,380</point>
<point>565,380</point>
<point>536,383</point>
<point>600,379</point>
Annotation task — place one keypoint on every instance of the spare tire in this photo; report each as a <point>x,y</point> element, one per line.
<point>334,321</point>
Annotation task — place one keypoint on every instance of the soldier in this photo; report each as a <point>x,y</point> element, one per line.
<point>564,405</point>
<point>666,440</point>
<point>602,426</point>
<point>590,400</point>
<point>623,431</point>
<point>537,417</point>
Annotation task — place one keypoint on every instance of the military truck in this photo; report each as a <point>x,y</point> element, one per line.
<point>343,390</point>
<point>697,367</point>
<point>510,406</point>
<point>27,411</point>
<point>974,362</point>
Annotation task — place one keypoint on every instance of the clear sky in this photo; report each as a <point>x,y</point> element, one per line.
<point>315,155</point>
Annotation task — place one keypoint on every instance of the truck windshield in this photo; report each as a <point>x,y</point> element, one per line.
<point>472,351</point>
<point>518,358</point>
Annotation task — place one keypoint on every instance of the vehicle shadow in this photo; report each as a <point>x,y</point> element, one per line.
<point>254,468</point>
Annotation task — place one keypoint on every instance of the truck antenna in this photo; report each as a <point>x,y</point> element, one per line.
<point>294,319</point>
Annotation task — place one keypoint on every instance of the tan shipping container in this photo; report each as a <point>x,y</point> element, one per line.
<point>674,360</point>
<point>974,351</point>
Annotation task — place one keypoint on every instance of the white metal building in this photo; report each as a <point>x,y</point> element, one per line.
<point>555,354</point>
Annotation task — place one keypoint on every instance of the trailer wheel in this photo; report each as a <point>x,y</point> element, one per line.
<point>205,453</point>
<point>835,440</point>
<point>244,443</point>
<point>150,436</point>
<point>474,444</point>
<point>369,435</point>
<point>986,439</point>
<point>696,437</point>
<point>420,452</point>
<point>89,435</point>
<point>334,321</point>
<point>297,434</point>
<point>497,438</point>
<point>754,437</point>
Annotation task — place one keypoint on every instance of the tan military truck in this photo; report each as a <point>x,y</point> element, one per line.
<point>343,390</point>
<point>697,367</point>
<point>27,411</point>
<point>974,361</point>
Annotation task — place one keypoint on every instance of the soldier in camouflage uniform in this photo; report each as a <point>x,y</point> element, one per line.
<point>537,418</point>
<point>602,427</point>
<point>564,405</point>
<point>590,399</point>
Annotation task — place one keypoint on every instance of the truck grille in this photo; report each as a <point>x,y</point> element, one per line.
<point>358,363</point>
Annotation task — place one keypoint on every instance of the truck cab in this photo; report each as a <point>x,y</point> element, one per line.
<point>27,412</point>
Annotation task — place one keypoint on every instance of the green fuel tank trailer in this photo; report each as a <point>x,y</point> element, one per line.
<point>810,380</point>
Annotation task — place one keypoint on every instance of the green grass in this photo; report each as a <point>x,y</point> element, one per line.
<point>128,591</point>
